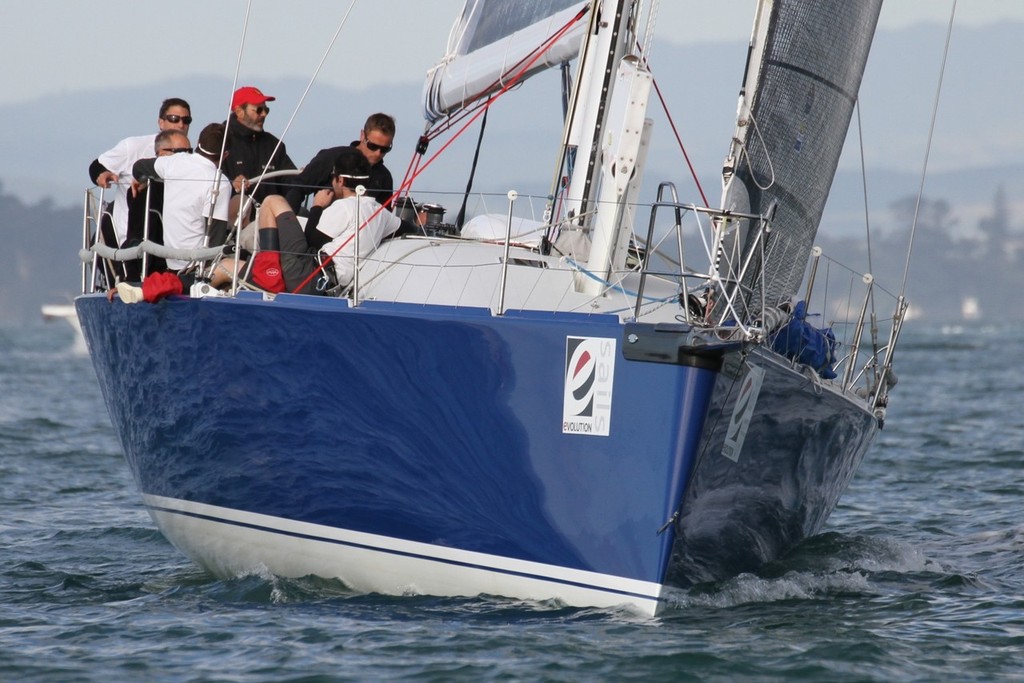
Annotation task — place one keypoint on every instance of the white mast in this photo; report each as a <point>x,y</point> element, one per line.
<point>607,128</point>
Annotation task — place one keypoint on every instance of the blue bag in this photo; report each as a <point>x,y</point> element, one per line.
<point>805,343</point>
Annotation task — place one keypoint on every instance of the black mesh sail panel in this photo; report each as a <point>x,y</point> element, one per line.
<point>813,60</point>
<point>493,20</point>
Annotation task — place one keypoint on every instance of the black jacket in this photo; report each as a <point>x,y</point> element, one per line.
<point>249,155</point>
<point>316,175</point>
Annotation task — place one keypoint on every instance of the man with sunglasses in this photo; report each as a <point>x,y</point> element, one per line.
<point>195,193</point>
<point>254,150</point>
<point>151,195</point>
<point>375,140</point>
<point>113,168</point>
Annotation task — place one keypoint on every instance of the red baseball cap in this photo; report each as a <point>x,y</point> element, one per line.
<point>249,95</point>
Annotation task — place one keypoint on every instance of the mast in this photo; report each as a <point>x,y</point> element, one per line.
<point>607,128</point>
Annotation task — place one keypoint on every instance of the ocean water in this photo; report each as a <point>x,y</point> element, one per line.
<point>919,575</point>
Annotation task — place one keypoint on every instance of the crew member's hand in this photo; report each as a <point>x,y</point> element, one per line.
<point>106,179</point>
<point>323,198</point>
<point>240,183</point>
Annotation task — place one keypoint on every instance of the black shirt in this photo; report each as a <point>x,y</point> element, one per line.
<point>250,154</point>
<point>316,175</point>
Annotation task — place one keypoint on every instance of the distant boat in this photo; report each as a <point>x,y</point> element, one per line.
<point>66,312</point>
<point>565,401</point>
<point>970,308</point>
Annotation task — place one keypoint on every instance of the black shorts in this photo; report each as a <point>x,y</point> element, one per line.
<point>297,263</point>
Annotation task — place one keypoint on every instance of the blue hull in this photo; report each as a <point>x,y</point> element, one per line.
<point>749,505</point>
<point>433,426</point>
<point>430,445</point>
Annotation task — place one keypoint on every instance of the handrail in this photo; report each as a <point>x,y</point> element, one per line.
<point>662,188</point>
<point>85,241</point>
<point>722,285</point>
<point>94,249</point>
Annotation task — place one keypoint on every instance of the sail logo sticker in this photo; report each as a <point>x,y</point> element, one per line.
<point>742,411</point>
<point>589,376</point>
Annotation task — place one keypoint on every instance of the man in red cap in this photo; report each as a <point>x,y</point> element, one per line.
<point>253,150</point>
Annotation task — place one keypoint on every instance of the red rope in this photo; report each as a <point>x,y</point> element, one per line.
<point>675,131</point>
<point>682,147</point>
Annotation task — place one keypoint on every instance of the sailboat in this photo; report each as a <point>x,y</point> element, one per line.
<point>596,397</point>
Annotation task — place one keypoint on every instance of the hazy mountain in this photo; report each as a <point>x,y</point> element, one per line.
<point>49,143</point>
<point>40,261</point>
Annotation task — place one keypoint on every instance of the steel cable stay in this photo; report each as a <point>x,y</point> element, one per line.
<point>224,141</point>
<point>244,208</point>
<point>885,378</point>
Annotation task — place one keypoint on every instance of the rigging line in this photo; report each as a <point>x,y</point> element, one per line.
<point>298,105</point>
<point>767,156</point>
<point>644,51</point>
<point>864,183</point>
<point>613,286</point>
<point>675,132</point>
<point>407,184</point>
<point>461,218</point>
<point>928,149</point>
<point>224,140</point>
<point>867,226</point>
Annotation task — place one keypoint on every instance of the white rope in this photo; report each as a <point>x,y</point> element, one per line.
<point>224,141</point>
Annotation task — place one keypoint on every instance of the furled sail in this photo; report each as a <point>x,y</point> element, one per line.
<point>807,60</point>
<point>492,39</point>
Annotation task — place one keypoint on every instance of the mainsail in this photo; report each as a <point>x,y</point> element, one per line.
<point>806,62</point>
<point>494,38</point>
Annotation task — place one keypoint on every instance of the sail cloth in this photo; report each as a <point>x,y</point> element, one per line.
<point>807,81</point>
<point>493,38</point>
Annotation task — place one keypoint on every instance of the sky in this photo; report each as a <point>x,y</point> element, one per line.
<point>65,46</point>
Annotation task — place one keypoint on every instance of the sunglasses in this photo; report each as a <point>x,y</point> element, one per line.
<point>261,109</point>
<point>374,147</point>
<point>178,150</point>
<point>174,118</point>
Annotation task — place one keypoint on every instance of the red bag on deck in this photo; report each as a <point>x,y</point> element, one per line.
<point>156,286</point>
<point>266,271</point>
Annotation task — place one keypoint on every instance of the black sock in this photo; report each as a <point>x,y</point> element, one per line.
<point>268,240</point>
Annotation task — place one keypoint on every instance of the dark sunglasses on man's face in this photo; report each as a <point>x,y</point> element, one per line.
<point>374,147</point>
<point>178,150</point>
<point>174,118</point>
<point>261,109</point>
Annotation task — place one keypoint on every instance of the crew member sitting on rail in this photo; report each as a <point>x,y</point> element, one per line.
<point>336,215</point>
<point>196,194</point>
<point>113,169</point>
<point>166,143</point>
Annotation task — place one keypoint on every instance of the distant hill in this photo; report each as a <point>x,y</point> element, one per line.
<point>41,243</point>
<point>49,143</point>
